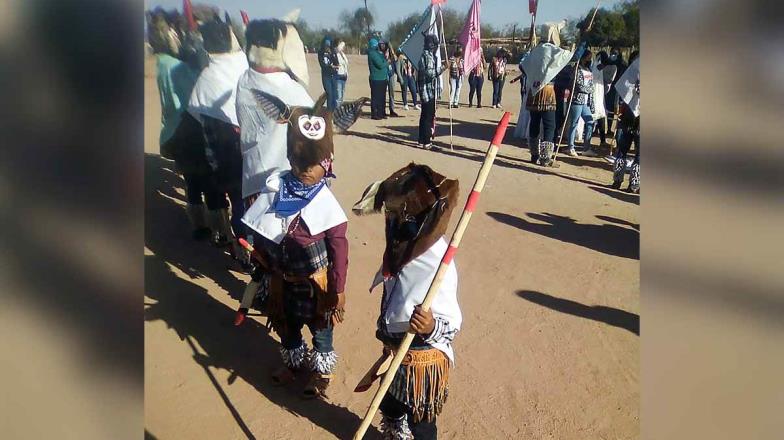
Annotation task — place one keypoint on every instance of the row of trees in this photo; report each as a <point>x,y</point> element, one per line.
<point>617,26</point>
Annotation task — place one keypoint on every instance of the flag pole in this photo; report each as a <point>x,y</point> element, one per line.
<point>446,57</point>
<point>574,83</point>
<point>454,243</point>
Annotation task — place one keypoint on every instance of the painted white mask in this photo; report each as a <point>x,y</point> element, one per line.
<point>312,127</point>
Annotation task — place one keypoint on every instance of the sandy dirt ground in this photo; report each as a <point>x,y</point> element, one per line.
<point>549,289</point>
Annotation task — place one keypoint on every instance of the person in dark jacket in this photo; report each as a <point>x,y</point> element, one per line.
<point>329,65</point>
<point>379,75</point>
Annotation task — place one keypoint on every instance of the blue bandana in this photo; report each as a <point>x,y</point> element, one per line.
<point>294,195</point>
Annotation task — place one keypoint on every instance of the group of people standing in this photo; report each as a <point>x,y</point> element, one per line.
<point>244,132</point>
<point>583,93</point>
<point>334,70</point>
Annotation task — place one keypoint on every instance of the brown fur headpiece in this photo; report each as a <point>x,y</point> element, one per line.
<point>417,203</point>
<point>309,138</point>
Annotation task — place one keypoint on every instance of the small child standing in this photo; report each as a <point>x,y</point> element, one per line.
<point>417,203</point>
<point>299,230</point>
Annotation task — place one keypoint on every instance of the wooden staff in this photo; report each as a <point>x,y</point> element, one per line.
<point>465,217</point>
<point>446,55</point>
<point>574,83</point>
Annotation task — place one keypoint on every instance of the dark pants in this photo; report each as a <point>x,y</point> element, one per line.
<point>625,139</point>
<point>423,430</point>
<point>601,130</point>
<point>475,84</point>
<point>378,97</point>
<point>426,119</point>
<point>498,87</point>
<point>545,118</point>
<point>237,209</point>
<point>409,83</point>
<point>197,185</point>
<point>560,116</point>
<point>322,338</point>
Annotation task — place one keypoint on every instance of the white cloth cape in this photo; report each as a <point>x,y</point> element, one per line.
<point>542,64</point>
<point>627,87</point>
<point>263,140</point>
<point>214,92</point>
<point>598,93</point>
<point>409,287</point>
<point>322,213</point>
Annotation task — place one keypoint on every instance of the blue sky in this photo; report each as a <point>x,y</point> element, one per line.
<point>324,13</point>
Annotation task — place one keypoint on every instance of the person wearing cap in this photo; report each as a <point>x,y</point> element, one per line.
<point>379,75</point>
<point>428,73</point>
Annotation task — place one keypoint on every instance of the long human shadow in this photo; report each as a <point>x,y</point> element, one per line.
<point>248,352</point>
<point>167,231</point>
<point>608,315</point>
<point>608,238</point>
<point>618,194</point>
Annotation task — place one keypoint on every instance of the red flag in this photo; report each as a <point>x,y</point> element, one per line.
<point>245,18</point>
<point>437,2</point>
<point>187,9</point>
<point>532,6</point>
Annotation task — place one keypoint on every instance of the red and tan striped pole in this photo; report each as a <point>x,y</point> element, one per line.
<point>457,236</point>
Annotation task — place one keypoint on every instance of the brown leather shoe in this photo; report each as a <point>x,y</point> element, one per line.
<point>317,386</point>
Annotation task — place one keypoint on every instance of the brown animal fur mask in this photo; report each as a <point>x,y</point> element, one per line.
<point>417,203</point>
<point>309,137</point>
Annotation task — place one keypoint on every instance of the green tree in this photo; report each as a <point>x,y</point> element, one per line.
<point>355,24</point>
<point>398,30</point>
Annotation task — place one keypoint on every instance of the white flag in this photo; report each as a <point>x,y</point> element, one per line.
<point>628,87</point>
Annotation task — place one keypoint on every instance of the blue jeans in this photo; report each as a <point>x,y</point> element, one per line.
<point>322,338</point>
<point>340,88</point>
<point>328,81</point>
<point>455,84</point>
<point>575,113</point>
<point>498,85</point>
<point>409,83</point>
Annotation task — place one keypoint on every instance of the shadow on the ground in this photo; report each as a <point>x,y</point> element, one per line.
<point>248,352</point>
<point>607,238</point>
<point>618,194</point>
<point>608,315</point>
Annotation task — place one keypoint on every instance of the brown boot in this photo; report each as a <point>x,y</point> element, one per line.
<point>317,386</point>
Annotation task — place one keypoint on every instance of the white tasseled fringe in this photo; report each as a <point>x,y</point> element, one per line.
<point>295,358</point>
<point>323,363</point>
<point>395,429</point>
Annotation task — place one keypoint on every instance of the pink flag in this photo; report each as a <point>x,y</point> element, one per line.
<point>437,2</point>
<point>187,9</point>
<point>532,6</point>
<point>245,18</point>
<point>470,39</point>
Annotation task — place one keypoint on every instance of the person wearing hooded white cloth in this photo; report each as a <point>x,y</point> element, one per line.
<point>278,67</point>
<point>212,103</point>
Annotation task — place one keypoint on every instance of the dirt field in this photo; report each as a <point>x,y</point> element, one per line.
<point>549,289</point>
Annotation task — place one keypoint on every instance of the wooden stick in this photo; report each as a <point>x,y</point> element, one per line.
<point>470,205</point>
<point>571,96</point>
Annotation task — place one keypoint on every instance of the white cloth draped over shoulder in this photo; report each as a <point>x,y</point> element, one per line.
<point>215,90</point>
<point>263,139</point>
<point>409,287</point>
<point>322,213</point>
<point>542,64</point>
<point>628,87</point>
